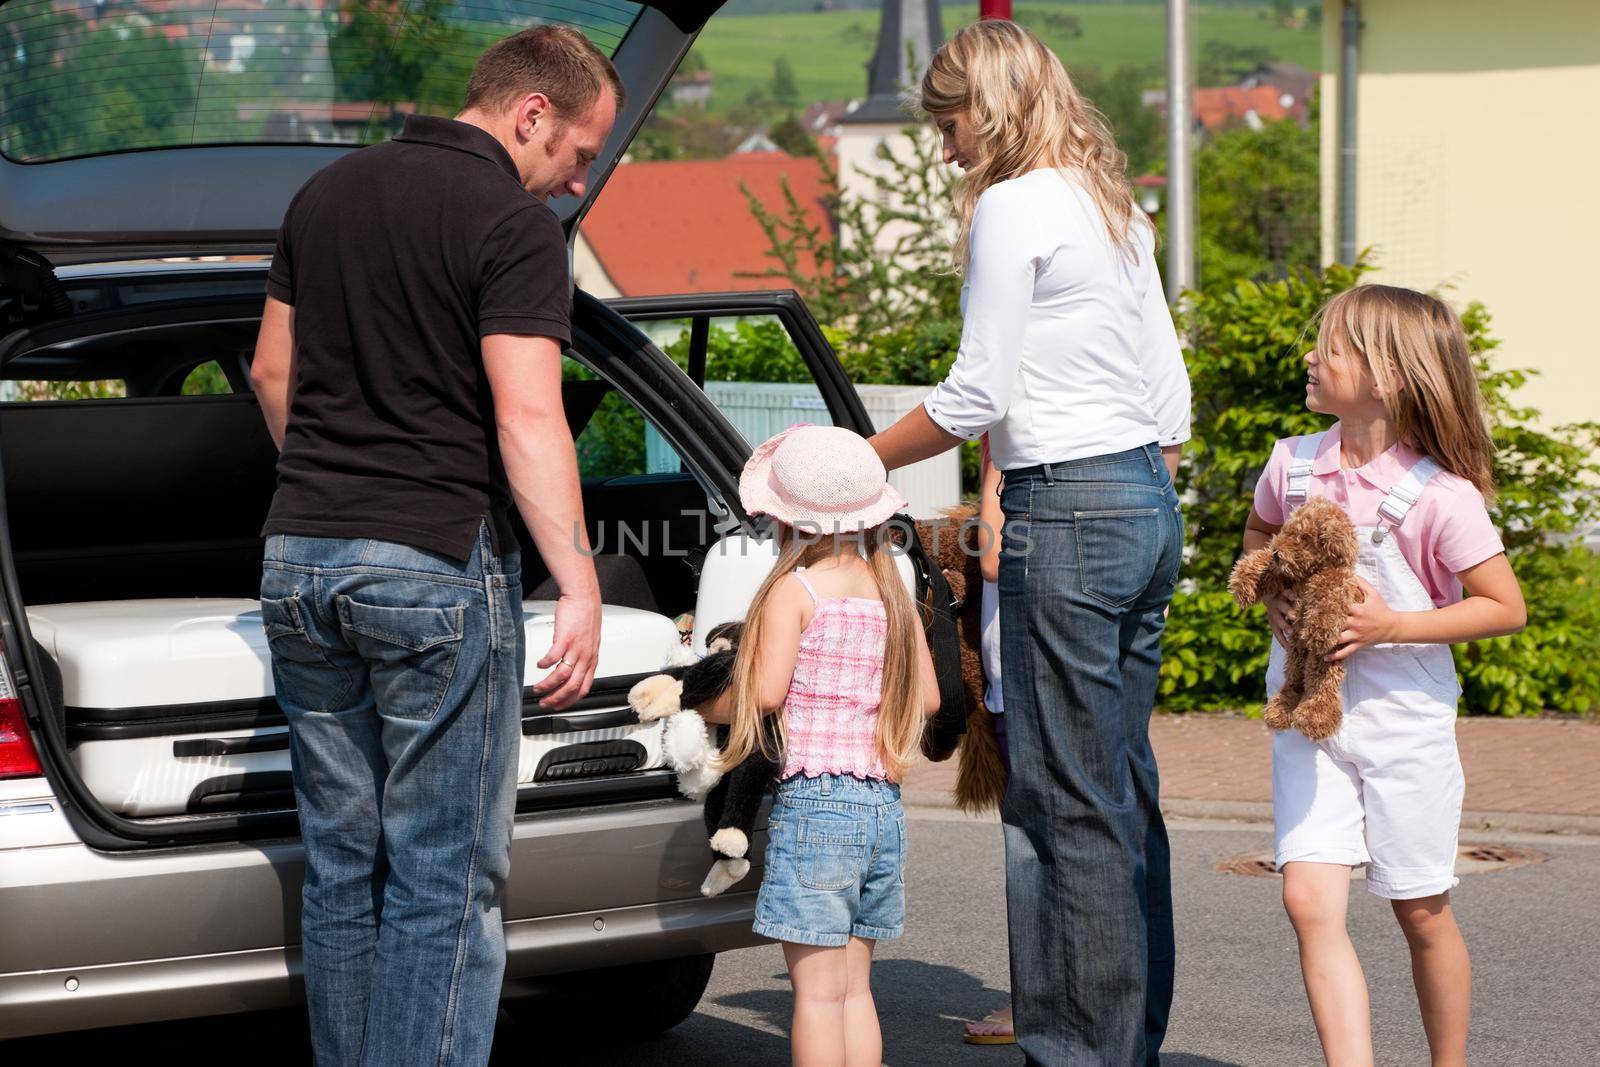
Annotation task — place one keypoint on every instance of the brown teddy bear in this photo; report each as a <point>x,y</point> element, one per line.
<point>1314,554</point>
<point>952,544</point>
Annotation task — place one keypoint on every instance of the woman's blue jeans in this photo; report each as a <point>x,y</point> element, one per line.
<point>1091,553</point>
<point>400,672</point>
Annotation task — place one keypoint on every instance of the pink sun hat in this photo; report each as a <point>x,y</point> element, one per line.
<point>826,476</point>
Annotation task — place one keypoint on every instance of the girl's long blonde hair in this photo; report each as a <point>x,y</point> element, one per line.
<point>1418,353</point>
<point>1025,114</point>
<point>900,717</point>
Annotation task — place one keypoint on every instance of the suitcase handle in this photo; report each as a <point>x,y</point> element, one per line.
<point>231,746</point>
<point>567,723</point>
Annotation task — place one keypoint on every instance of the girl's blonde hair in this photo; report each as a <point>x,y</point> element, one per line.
<point>1418,353</point>
<point>1025,113</point>
<point>900,717</point>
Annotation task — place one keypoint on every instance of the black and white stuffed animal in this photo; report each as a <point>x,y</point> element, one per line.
<point>733,800</point>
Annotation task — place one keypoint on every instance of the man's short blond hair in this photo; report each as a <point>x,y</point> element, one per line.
<point>558,61</point>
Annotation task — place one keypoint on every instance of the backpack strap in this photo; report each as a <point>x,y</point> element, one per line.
<point>1305,454</point>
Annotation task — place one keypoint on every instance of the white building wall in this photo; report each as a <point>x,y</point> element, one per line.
<point>760,409</point>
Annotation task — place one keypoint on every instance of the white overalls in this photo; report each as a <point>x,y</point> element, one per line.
<point>1386,790</point>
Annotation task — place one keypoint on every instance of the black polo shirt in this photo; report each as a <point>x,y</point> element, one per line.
<point>397,259</point>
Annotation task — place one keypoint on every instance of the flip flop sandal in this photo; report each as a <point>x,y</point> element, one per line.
<point>989,1039</point>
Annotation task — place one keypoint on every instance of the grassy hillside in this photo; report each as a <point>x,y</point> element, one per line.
<point>829,50</point>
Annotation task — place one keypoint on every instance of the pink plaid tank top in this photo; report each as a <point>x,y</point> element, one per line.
<point>831,712</point>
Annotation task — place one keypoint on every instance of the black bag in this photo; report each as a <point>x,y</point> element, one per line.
<point>945,729</point>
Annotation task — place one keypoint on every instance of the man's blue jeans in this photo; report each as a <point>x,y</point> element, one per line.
<point>1090,556</point>
<point>400,672</point>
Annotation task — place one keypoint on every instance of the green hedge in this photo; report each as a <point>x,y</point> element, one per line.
<point>1248,378</point>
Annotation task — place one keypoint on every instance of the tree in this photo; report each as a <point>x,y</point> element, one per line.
<point>1120,98</point>
<point>784,89</point>
<point>684,134</point>
<point>1052,23</point>
<point>1259,202</point>
<point>1224,63</point>
<point>395,51</point>
<point>70,90</point>
<point>754,112</point>
<point>790,134</point>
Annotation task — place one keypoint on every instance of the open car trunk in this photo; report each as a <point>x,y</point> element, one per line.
<point>131,557</point>
<point>135,538</point>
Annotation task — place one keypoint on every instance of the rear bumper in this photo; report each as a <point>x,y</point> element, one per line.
<point>81,998</point>
<point>92,939</point>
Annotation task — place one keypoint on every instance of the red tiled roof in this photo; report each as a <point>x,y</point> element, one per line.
<point>1225,105</point>
<point>684,226</point>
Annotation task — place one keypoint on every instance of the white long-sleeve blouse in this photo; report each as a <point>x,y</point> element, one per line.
<point>1067,348</point>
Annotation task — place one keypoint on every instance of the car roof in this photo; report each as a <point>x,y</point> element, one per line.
<point>207,172</point>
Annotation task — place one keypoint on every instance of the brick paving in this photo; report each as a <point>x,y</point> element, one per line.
<point>1524,766</point>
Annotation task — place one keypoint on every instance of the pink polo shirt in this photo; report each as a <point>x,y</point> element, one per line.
<point>1445,533</point>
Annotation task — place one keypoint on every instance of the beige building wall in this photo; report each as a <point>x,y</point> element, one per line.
<point>587,272</point>
<point>856,157</point>
<point>1478,167</point>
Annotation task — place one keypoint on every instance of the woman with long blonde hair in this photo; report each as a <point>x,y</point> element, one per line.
<point>1069,361</point>
<point>834,681</point>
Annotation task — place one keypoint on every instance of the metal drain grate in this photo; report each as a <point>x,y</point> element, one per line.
<point>1251,864</point>
<point>1470,859</point>
<point>1477,859</point>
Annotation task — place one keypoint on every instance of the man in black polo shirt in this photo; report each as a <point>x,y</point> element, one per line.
<point>409,367</point>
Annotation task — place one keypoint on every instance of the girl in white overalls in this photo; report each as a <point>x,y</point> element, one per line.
<point>1409,461</point>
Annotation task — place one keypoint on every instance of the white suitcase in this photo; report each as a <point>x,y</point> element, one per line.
<point>169,706</point>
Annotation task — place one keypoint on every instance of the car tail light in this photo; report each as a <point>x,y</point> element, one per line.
<point>17,757</point>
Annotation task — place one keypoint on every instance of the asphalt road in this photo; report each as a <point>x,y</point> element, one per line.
<point>1534,934</point>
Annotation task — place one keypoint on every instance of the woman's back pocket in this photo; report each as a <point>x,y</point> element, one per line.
<point>1117,552</point>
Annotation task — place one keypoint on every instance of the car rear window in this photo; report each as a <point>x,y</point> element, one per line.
<point>88,77</point>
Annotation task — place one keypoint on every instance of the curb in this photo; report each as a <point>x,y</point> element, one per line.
<point>1528,822</point>
<point>1261,812</point>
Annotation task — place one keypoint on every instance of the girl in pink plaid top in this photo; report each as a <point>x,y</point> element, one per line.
<point>830,714</point>
<point>836,660</point>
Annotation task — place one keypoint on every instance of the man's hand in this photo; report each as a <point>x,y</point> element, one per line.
<point>1371,622</point>
<point>573,654</point>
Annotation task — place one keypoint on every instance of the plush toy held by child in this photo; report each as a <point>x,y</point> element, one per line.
<point>953,543</point>
<point>732,800</point>
<point>1314,557</point>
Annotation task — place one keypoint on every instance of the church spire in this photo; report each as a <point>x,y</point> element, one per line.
<point>909,33</point>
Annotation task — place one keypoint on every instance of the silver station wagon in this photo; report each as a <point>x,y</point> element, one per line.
<point>150,867</point>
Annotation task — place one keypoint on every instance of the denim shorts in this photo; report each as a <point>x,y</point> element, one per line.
<point>836,847</point>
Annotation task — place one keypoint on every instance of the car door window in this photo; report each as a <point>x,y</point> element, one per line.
<point>611,442</point>
<point>17,390</point>
<point>616,440</point>
<point>751,370</point>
